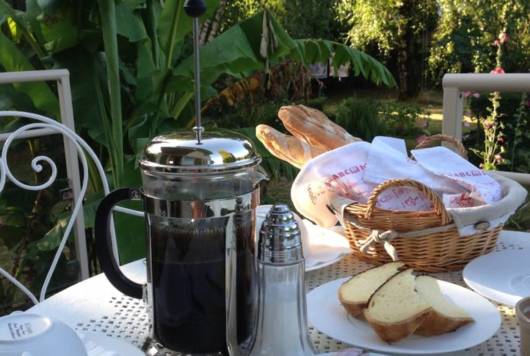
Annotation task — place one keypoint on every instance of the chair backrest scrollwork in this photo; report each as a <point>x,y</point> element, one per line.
<point>83,149</point>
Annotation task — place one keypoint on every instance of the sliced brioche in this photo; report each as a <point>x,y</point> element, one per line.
<point>445,316</point>
<point>396,310</point>
<point>355,293</point>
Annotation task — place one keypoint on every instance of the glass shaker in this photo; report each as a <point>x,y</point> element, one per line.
<point>282,316</point>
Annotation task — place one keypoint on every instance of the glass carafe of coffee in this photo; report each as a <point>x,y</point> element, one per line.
<point>199,199</point>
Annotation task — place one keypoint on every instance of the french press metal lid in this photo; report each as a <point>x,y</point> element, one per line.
<point>182,153</point>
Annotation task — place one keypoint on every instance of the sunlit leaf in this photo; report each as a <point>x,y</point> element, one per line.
<point>12,26</point>
<point>52,239</point>
<point>12,59</point>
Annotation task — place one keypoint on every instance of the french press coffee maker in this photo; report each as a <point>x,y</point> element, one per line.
<point>199,190</point>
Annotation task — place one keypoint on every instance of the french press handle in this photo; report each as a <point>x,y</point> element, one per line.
<point>104,242</point>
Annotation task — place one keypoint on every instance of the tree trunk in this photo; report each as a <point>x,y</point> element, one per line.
<point>407,63</point>
<point>402,59</point>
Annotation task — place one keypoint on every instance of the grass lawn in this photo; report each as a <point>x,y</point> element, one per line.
<point>431,102</point>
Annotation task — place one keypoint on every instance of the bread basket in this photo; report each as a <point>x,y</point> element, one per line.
<point>425,240</point>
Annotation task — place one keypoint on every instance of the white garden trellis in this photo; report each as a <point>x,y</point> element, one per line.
<point>75,150</point>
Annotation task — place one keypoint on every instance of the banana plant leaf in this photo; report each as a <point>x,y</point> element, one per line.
<point>174,25</point>
<point>239,51</point>
<point>12,59</point>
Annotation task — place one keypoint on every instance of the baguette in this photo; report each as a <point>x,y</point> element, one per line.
<point>285,147</point>
<point>314,127</point>
<point>395,311</point>
<point>445,316</point>
<point>355,293</point>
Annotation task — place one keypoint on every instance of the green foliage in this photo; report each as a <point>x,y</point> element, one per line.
<point>520,155</point>
<point>423,40</point>
<point>502,131</point>
<point>503,121</point>
<point>301,18</point>
<point>141,85</point>
<point>31,226</point>
<point>397,28</point>
<point>237,11</point>
<point>520,221</point>
<point>310,51</point>
<point>110,43</point>
<point>310,18</point>
<point>360,117</point>
<point>400,119</point>
<point>367,118</point>
<point>466,32</point>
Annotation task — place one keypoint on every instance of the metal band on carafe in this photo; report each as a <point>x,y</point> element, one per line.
<point>199,209</point>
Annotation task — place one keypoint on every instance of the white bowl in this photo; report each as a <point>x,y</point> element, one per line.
<point>35,335</point>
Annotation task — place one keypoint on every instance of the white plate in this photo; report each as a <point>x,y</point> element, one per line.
<point>326,314</point>
<point>514,239</point>
<point>99,344</point>
<point>322,247</point>
<point>503,277</point>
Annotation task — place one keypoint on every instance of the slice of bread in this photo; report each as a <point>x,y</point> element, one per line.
<point>355,293</point>
<point>446,316</point>
<point>396,310</point>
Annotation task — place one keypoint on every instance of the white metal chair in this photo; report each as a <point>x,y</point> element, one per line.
<point>76,151</point>
<point>82,149</point>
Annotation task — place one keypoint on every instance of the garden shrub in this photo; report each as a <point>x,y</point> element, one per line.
<point>360,117</point>
<point>400,119</point>
<point>513,121</point>
<point>466,33</point>
<point>367,118</point>
<point>480,106</point>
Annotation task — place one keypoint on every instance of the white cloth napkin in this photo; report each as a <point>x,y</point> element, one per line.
<point>333,173</point>
<point>469,220</point>
<point>388,159</point>
<point>470,195</point>
<point>445,163</point>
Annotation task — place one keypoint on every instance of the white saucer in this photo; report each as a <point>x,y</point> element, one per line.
<point>503,277</point>
<point>326,314</point>
<point>99,344</point>
<point>322,247</point>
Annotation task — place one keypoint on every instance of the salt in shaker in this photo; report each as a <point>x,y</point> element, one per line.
<point>282,316</point>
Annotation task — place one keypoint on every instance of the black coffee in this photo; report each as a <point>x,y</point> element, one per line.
<point>188,277</point>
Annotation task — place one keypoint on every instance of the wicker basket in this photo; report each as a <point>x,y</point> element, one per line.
<point>425,240</point>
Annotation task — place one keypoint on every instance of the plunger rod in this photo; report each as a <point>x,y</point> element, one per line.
<point>194,9</point>
<point>197,69</point>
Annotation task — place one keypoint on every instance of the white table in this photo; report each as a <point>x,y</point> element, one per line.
<point>94,305</point>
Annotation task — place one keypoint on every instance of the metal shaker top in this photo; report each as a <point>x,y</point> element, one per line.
<point>280,239</point>
<point>217,151</point>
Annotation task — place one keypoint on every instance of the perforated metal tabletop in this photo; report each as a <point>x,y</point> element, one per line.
<point>94,305</point>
